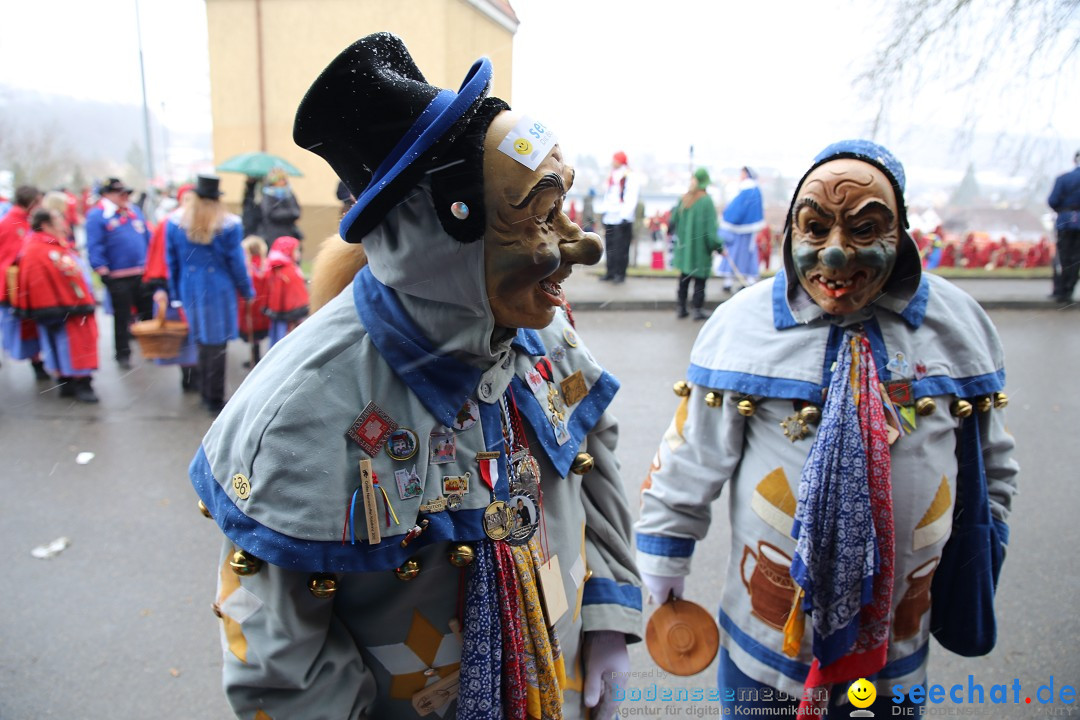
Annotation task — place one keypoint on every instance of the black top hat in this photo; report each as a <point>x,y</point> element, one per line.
<point>114,185</point>
<point>382,127</point>
<point>208,186</point>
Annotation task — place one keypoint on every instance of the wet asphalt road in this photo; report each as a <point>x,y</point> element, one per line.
<point>119,625</point>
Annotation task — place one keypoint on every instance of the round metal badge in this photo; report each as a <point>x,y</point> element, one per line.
<point>402,443</point>
<point>498,521</point>
<point>525,518</point>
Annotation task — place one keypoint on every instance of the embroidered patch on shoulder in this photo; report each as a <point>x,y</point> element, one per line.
<point>371,429</point>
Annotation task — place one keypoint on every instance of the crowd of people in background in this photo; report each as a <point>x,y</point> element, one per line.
<point>226,276</point>
<point>230,277</point>
<point>735,243</point>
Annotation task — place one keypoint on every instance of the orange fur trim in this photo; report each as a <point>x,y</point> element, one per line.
<point>335,266</point>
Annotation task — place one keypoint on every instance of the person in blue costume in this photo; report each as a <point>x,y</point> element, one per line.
<point>366,473</point>
<point>873,394</point>
<point>741,221</point>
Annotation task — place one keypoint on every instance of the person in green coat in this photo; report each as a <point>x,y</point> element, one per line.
<point>693,221</point>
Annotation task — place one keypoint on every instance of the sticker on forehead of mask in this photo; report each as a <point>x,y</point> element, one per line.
<point>528,142</point>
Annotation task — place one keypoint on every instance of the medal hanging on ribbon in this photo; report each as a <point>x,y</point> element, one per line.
<point>556,408</point>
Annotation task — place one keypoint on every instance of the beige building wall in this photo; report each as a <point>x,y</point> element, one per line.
<point>298,39</point>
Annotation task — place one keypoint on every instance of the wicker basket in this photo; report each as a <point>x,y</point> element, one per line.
<point>160,339</point>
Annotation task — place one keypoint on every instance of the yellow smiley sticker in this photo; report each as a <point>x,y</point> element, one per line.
<point>522,146</point>
<point>862,693</point>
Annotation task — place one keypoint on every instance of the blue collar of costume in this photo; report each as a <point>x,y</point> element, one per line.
<point>442,383</point>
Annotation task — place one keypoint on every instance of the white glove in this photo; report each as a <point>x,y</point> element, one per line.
<point>661,586</point>
<point>605,659</point>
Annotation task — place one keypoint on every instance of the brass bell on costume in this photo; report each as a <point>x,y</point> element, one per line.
<point>408,570</point>
<point>811,414</point>
<point>925,406</point>
<point>682,388</point>
<point>244,564</point>
<point>714,399</point>
<point>582,464</point>
<point>984,403</point>
<point>1000,400</point>
<point>462,555</point>
<point>323,585</point>
<point>961,408</point>
<point>746,407</point>
<point>205,510</point>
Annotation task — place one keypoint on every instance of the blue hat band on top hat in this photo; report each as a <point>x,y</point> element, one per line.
<point>438,117</point>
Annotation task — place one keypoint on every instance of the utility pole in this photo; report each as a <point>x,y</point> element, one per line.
<point>145,105</point>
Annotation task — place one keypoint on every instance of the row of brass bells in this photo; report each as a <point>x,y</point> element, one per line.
<point>582,464</point>
<point>244,563</point>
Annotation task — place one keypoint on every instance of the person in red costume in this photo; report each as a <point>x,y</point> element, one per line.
<point>52,291</point>
<point>286,289</point>
<point>20,338</point>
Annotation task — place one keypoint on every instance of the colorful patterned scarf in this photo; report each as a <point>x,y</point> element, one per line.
<point>511,661</point>
<point>844,527</point>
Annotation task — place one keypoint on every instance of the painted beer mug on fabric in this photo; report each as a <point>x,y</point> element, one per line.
<point>772,591</point>
<point>916,601</point>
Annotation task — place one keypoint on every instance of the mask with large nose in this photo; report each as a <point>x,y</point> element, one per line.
<point>530,245</point>
<point>844,234</point>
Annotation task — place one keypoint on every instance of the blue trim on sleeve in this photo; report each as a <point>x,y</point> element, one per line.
<point>582,420</point>
<point>960,387</point>
<point>319,555</point>
<point>797,670</point>
<point>665,546</point>
<point>754,384</point>
<point>604,591</point>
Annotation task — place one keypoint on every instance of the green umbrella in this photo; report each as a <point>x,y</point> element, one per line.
<point>257,164</point>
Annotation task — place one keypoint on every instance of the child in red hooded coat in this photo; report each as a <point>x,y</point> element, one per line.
<point>254,322</point>
<point>286,288</point>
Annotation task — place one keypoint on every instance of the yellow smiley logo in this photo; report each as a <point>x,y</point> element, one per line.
<point>522,146</point>
<point>862,693</point>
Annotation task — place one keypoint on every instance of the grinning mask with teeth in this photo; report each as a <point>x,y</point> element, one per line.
<point>845,230</point>
<point>530,245</point>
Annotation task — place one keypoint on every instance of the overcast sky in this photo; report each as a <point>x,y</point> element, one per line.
<point>767,82</point>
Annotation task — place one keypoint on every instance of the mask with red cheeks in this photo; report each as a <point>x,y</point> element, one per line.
<point>530,245</point>
<point>844,234</point>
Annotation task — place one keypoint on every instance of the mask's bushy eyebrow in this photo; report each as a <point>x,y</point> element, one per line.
<point>549,181</point>
<point>874,206</point>
<point>811,203</point>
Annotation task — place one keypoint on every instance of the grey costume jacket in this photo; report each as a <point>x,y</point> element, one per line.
<point>931,342</point>
<point>278,474</point>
